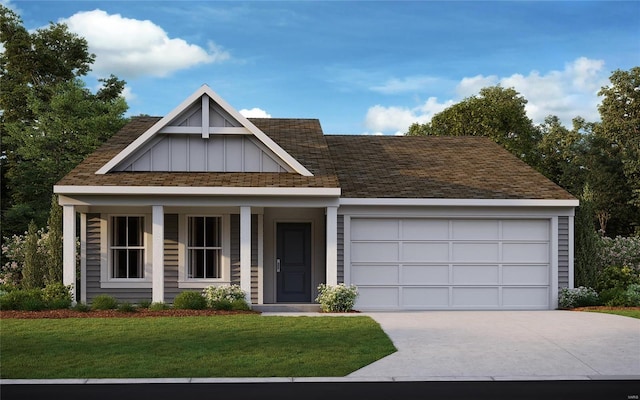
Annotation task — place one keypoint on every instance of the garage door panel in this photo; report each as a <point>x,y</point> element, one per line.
<point>425,297</point>
<point>425,252</point>
<point>374,252</point>
<point>425,229</point>
<point>525,252</point>
<point>475,230</point>
<point>375,229</point>
<point>378,297</point>
<point>425,275</point>
<point>525,297</point>
<point>471,297</point>
<point>376,274</point>
<point>525,275</point>
<point>475,252</point>
<point>476,275</point>
<point>525,230</point>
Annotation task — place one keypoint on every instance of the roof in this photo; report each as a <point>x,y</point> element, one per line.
<point>361,166</point>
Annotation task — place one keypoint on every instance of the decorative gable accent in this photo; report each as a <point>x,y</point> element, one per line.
<point>204,134</point>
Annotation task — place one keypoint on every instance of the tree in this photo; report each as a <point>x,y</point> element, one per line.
<point>586,243</point>
<point>497,112</point>
<point>53,243</point>
<point>33,271</point>
<point>49,120</point>
<point>620,115</point>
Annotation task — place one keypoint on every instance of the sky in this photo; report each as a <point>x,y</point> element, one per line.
<point>360,67</point>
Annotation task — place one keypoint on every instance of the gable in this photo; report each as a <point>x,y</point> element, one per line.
<point>204,134</point>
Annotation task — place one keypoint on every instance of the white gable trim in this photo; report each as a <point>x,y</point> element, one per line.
<point>205,131</point>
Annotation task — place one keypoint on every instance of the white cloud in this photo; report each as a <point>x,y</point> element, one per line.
<point>408,84</point>
<point>566,93</point>
<point>254,113</point>
<point>130,48</point>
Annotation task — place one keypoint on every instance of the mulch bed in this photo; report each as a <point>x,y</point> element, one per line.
<point>67,313</point>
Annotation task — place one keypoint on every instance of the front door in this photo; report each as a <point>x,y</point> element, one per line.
<point>293,262</point>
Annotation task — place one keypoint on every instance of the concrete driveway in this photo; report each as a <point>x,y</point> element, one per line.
<point>507,345</point>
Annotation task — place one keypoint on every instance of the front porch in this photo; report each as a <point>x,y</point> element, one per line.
<point>167,259</point>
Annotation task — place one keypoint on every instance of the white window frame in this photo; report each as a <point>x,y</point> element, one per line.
<point>106,260</point>
<point>184,282</point>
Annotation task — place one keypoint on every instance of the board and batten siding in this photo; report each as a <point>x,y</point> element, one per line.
<point>563,252</point>
<point>235,254</point>
<point>131,295</point>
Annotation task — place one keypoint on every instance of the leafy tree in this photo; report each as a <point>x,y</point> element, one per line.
<point>49,120</point>
<point>53,243</point>
<point>620,115</point>
<point>33,271</point>
<point>497,112</point>
<point>587,243</point>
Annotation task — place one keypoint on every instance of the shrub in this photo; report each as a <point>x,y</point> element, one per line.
<point>126,307</point>
<point>158,306</point>
<point>144,303</point>
<point>338,298</point>
<point>190,300</point>
<point>223,304</point>
<point>215,294</point>
<point>616,277</point>
<point>82,307</point>
<point>57,296</point>
<point>621,251</point>
<point>577,297</point>
<point>633,295</point>
<point>104,302</point>
<point>613,297</point>
<point>25,300</point>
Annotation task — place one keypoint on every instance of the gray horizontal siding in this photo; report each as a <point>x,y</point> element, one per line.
<point>235,254</point>
<point>340,248</point>
<point>563,252</point>
<point>170,257</point>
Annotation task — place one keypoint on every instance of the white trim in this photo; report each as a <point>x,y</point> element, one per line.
<point>215,130</point>
<point>260,258</point>
<point>199,190</point>
<point>69,248</point>
<point>331,245</point>
<point>204,129</point>
<point>204,90</point>
<point>157,259</point>
<point>245,251</point>
<point>83,257</point>
<point>457,202</point>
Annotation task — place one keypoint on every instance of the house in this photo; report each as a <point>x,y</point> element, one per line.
<point>205,196</point>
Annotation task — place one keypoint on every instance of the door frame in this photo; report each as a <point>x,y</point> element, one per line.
<point>311,224</point>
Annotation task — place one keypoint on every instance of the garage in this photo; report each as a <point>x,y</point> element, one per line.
<point>444,264</point>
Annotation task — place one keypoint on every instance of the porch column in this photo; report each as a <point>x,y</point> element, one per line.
<point>69,248</point>
<point>157,231</point>
<point>332,245</point>
<point>245,251</point>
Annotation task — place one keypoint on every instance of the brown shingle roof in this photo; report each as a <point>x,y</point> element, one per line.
<point>362,166</point>
<point>434,167</point>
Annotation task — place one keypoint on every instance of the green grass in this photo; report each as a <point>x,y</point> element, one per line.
<point>214,346</point>
<point>624,313</point>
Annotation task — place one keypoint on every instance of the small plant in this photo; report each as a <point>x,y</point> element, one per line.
<point>104,302</point>
<point>82,307</point>
<point>577,297</point>
<point>158,306</point>
<point>223,304</point>
<point>190,300</point>
<point>632,295</point>
<point>127,307</point>
<point>57,296</point>
<point>338,298</point>
<point>24,300</point>
<point>144,303</point>
<point>215,294</point>
<point>617,277</point>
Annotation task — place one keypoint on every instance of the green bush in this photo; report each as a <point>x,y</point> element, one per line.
<point>127,307</point>
<point>240,305</point>
<point>57,296</point>
<point>104,302</point>
<point>613,297</point>
<point>222,304</point>
<point>616,277</point>
<point>24,300</point>
<point>82,307</point>
<point>577,297</point>
<point>190,300</point>
<point>144,303</point>
<point>338,298</point>
<point>633,295</point>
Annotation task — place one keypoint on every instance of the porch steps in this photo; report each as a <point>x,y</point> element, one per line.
<point>286,307</point>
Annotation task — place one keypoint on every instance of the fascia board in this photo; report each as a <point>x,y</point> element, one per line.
<point>459,202</point>
<point>194,191</point>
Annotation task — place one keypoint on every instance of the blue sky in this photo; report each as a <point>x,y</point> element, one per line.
<point>359,67</point>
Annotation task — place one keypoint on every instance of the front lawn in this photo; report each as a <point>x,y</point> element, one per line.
<point>633,312</point>
<point>212,346</point>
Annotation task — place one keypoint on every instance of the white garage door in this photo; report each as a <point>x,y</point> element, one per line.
<point>465,264</point>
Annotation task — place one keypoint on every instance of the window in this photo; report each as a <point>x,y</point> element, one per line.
<point>127,247</point>
<point>204,248</point>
